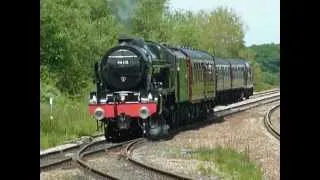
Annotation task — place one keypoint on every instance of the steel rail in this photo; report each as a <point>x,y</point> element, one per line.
<point>268,123</point>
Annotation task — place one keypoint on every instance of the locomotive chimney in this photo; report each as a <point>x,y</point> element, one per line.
<point>126,39</point>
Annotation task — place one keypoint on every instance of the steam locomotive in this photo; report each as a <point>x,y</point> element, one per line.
<point>144,88</point>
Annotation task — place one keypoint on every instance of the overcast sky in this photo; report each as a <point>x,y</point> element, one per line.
<point>262,17</point>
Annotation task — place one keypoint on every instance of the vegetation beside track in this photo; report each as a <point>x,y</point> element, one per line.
<point>70,120</point>
<point>227,163</point>
<point>224,162</point>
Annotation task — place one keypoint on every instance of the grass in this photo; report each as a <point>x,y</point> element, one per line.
<point>226,163</point>
<point>264,86</point>
<point>70,120</point>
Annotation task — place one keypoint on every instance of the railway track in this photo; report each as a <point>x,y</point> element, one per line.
<point>155,171</point>
<point>245,105</point>
<point>263,93</point>
<point>57,159</point>
<point>63,158</point>
<point>268,122</point>
<point>75,156</point>
<point>92,150</point>
<point>267,91</point>
<point>125,150</point>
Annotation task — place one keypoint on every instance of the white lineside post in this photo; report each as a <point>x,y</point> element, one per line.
<point>51,101</point>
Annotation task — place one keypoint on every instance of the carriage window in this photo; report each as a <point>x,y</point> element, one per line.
<point>198,77</point>
<point>210,74</point>
<point>236,72</point>
<point>223,73</point>
<point>193,71</point>
<point>198,72</point>
<point>228,73</point>
<point>201,71</point>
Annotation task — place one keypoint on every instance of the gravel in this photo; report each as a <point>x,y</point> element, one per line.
<point>244,131</point>
<point>66,174</point>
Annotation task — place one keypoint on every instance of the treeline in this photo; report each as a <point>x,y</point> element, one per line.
<point>76,33</point>
<point>268,57</point>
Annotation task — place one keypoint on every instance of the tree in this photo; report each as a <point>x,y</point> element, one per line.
<point>268,57</point>
<point>148,19</point>
<point>74,34</point>
<point>183,29</point>
<point>222,32</point>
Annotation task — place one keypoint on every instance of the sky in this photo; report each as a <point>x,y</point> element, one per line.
<point>262,17</point>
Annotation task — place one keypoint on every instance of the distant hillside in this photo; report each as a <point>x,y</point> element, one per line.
<point>268,57</point>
